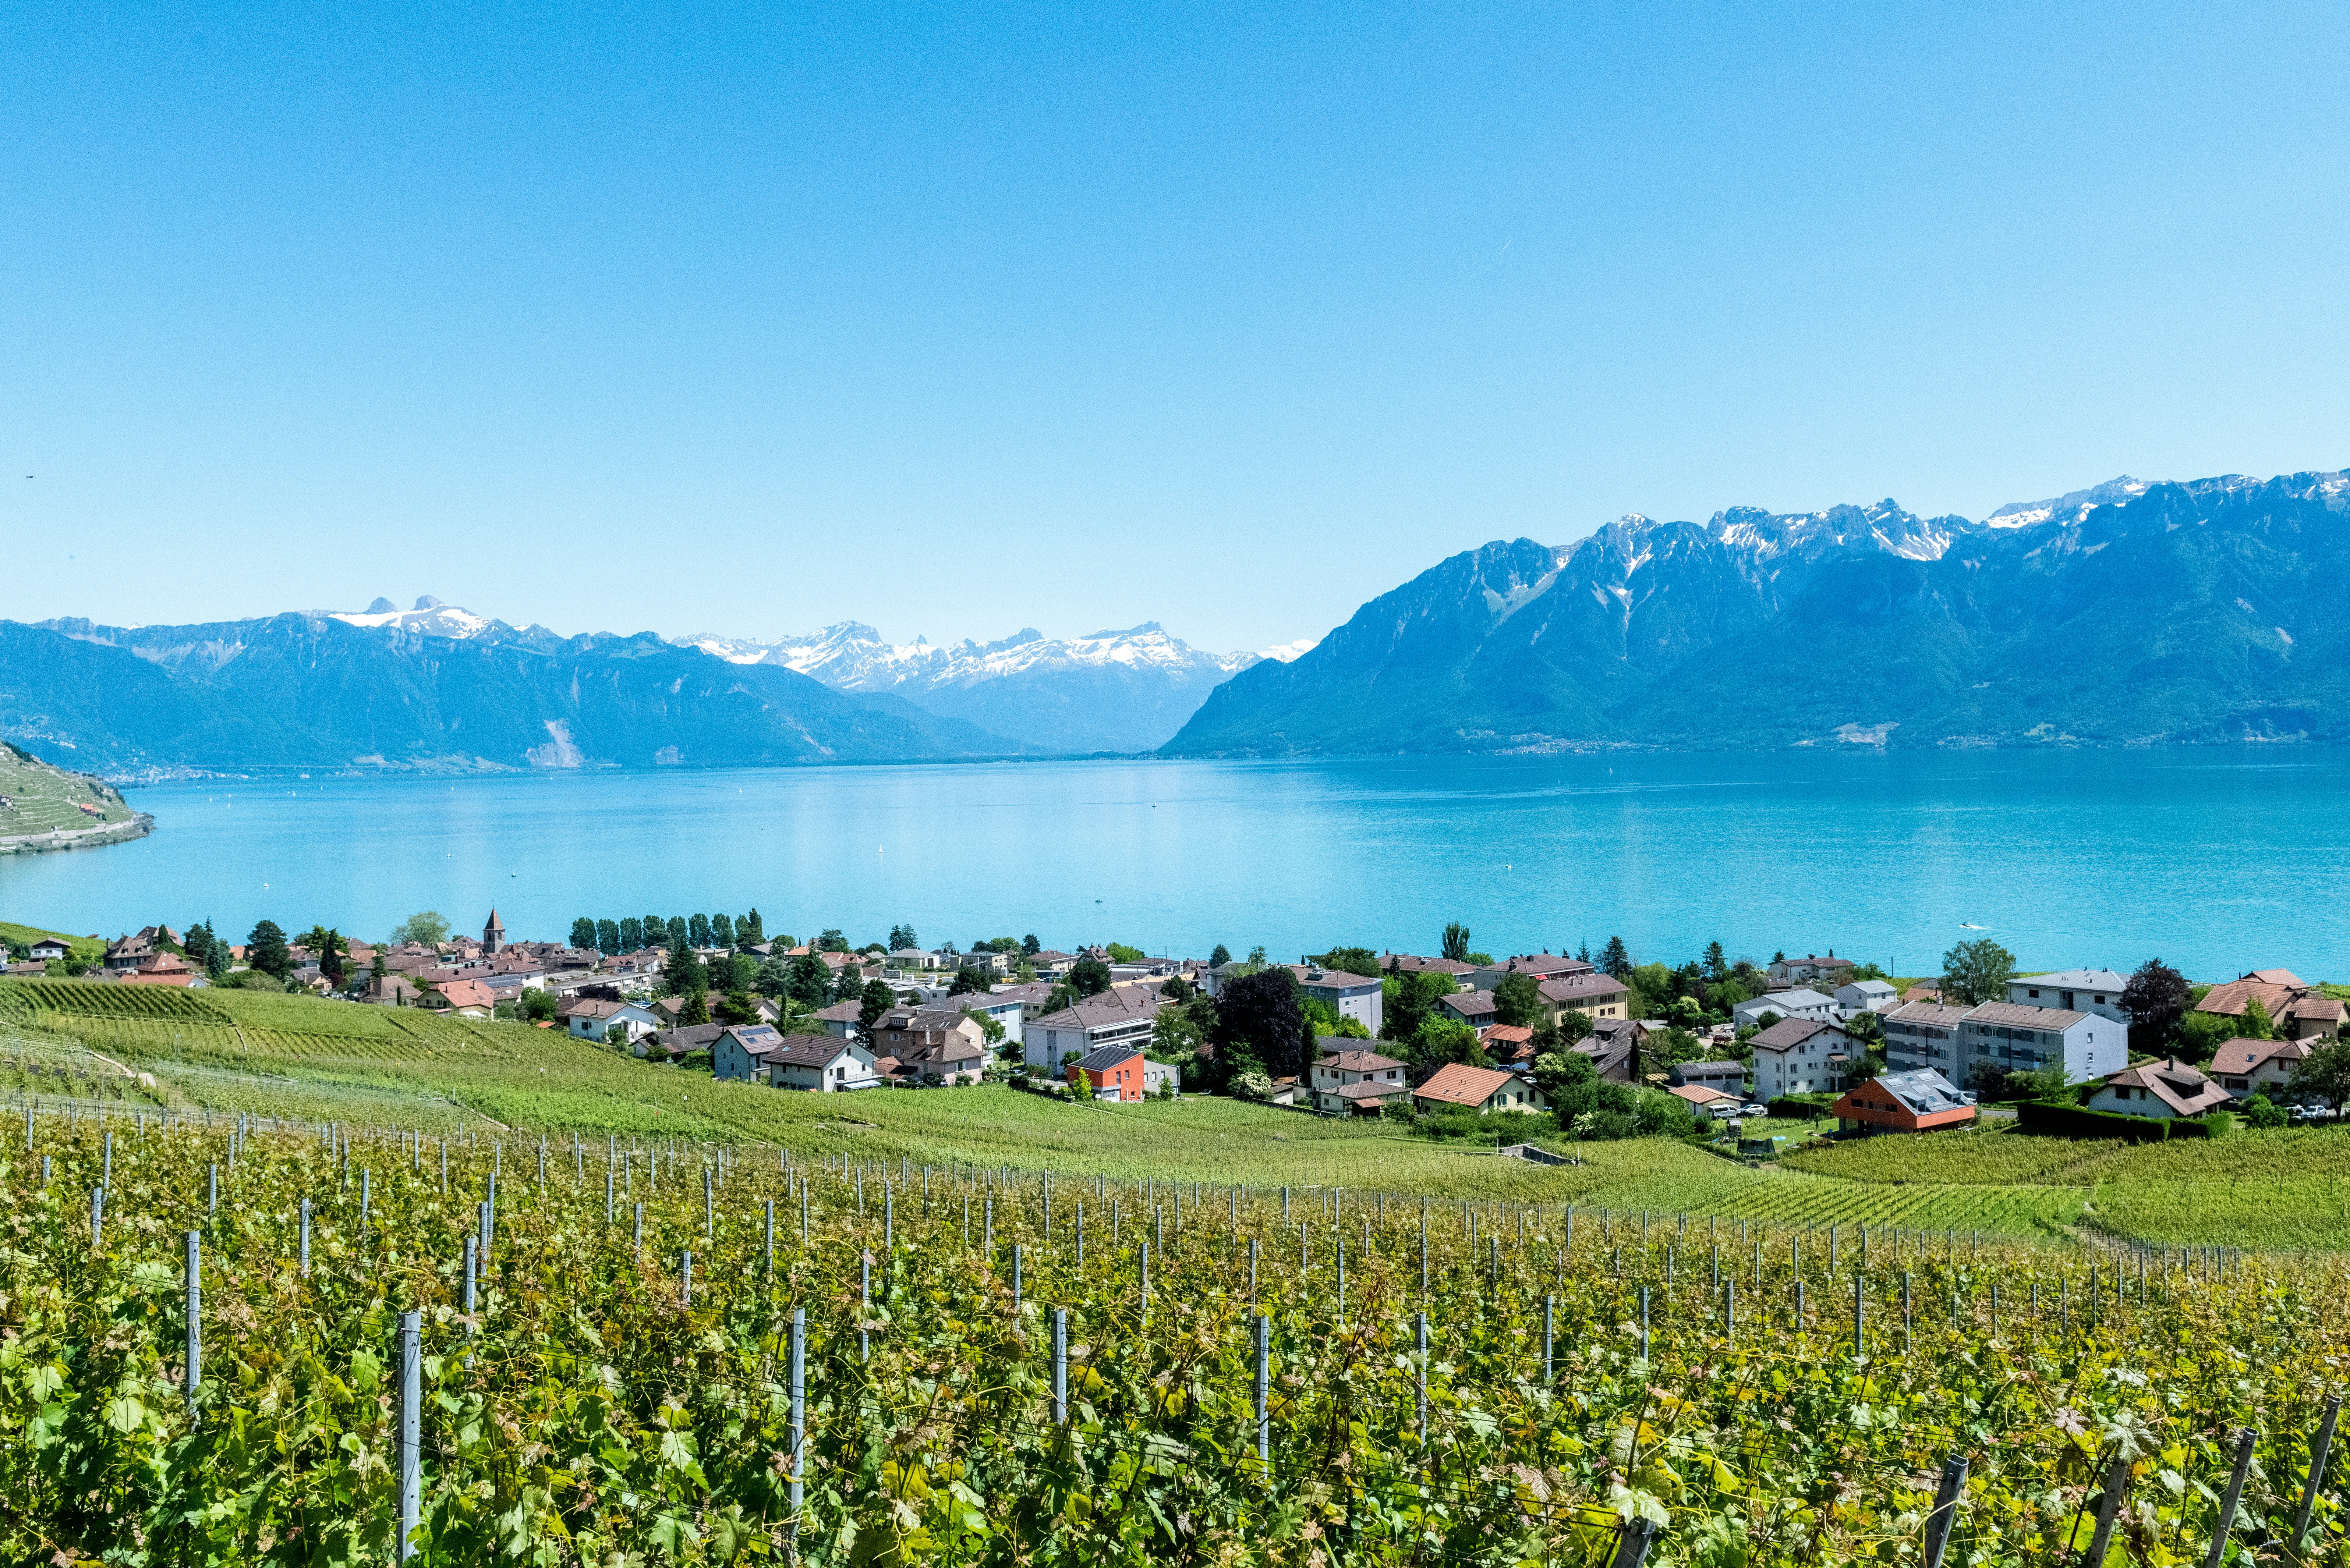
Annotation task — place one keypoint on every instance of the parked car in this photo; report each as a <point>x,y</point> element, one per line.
<point>1753,1110</point>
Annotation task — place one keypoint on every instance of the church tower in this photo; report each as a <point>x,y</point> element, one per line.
<point>494,935</point>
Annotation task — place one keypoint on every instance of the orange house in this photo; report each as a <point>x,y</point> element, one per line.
<point>1117,1068</point>
<point>1904,1102</point>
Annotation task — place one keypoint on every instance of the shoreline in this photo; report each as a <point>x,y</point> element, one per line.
<point>141,824</point>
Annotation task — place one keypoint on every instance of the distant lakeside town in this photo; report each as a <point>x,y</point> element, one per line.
<point>1456,1043</point>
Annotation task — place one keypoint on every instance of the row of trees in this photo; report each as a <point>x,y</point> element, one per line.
<point>610,937</point>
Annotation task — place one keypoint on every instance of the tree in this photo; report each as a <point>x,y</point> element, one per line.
<point>330,958</point>
<point>2324,1073</point>
<point>1574,1025</point>
<point>1260,1011</point>
<point>1175,1033</point>
<point>1122,953</point>
<point>2265,1114</point>
<point>697,931</point>
<point>1081,1085</point>
<point>2201,1035</point>
<point>608,937</point>
<point>1350,960</point>
<point>1090,977</point>
<point>1977,971</point>
<point>1030,945</point>
<point>2156,998</point>
<point>1409,999</point>
<point>1717,962</point>
<point>697,1009</point>
<point>721,930</point>
<point>967,982</point>
<point>1441,1041</point>
<point>2257,1024</point>
<point>427,928</point>
<point>1456,942</point>
<point>683,975</point>
<point>264,950</point>
<point>680,929</point>
<point>750,930</point>
<point>375,966</point>
<point>902,937</point>
<point>654,931</point>
<point>631,934</point>
<point>808,982</point>
<point>1221,956</point>
<point>850,985</point>
<point>1518,1000</point>
<point>876,999</point>
<point>539,1006</point>
<point>831,941</point>
<point>736,1007</point>
<point>583,931</point>
<point>1616,958</point>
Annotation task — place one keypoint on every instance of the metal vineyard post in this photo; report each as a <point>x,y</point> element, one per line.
<point>192,1285</point>
<point>412,1357</point>
<point>2226,1524</point>
<point>1060,1365</point>
<point>2320,1450</point>
<point>1946,1509</point>
<point>306,1238</point>
<point>795,1431</point>
<point>1263,1390</point>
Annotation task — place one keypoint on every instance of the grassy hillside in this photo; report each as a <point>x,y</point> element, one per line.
<point>41,797</point>
<point>306,1058</point>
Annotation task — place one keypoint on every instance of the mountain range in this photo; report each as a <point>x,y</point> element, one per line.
<point>444,689</point>
<point>314,692</point>
<point>1106,691</point>
<point>2130,613</point>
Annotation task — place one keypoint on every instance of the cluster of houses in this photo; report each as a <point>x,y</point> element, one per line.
<point>2073,1019</point>
<point>941,1031</point>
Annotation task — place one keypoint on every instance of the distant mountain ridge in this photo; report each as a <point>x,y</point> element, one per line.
<point>329,694</point>
<point>2134,612</point>
<point>1107,692</point>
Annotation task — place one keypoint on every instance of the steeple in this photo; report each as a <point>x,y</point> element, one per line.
<point>494,935</point>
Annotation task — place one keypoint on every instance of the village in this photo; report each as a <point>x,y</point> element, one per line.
<point>1743,1053</point>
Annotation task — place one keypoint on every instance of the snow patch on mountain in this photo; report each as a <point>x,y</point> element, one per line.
<point>853,657</point>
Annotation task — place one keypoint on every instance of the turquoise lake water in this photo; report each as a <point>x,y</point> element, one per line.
<point>2217,860</point>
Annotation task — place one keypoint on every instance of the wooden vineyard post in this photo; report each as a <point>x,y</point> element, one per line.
<point>1946,1509</point>
<point>412,1359</point>
<point>2226,1524</point>
<point>2320,1450</point>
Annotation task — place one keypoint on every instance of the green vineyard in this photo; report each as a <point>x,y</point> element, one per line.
<point>664,1351</point>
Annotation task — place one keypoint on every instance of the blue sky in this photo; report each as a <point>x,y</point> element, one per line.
<point>960,319</point>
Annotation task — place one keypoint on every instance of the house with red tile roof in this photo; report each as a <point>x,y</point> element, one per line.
<point>1479,1089</point>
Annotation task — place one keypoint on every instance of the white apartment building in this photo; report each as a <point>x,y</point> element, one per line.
<point>1801,1056</point>
<point>2030,1039</point>
<point>1923,1034</point>
<point>2097,991</point>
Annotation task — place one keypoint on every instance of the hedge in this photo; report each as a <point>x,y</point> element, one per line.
<point>2075,1121</point>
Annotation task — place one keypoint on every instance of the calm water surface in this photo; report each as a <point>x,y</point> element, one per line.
<point>2219,861</point>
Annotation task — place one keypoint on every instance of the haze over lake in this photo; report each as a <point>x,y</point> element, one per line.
<point>2216,860</point>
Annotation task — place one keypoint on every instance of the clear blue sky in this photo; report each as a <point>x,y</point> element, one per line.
<point>955,319</point>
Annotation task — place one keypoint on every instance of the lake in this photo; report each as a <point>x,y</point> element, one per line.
<point>2217,860</point>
